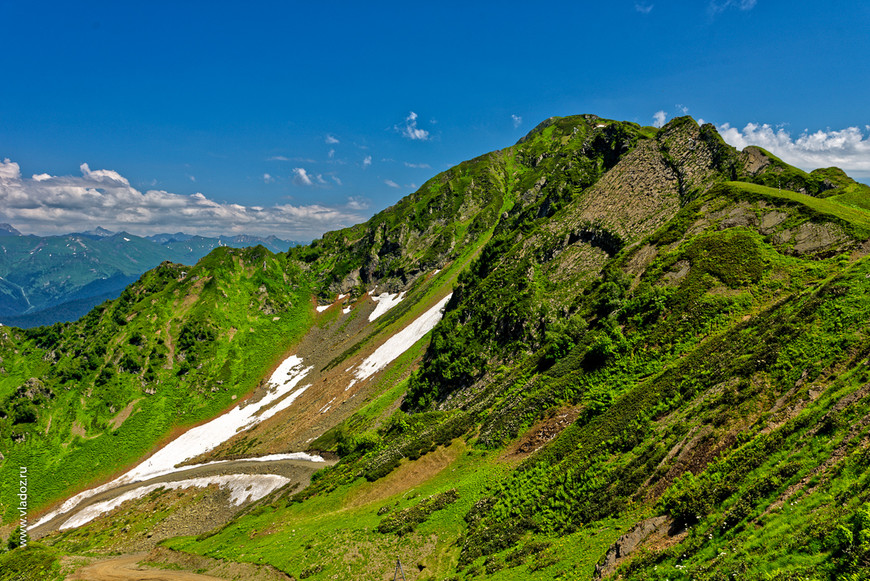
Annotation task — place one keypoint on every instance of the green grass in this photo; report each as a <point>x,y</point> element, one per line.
<point>36,562</point>
<point>852,210</point>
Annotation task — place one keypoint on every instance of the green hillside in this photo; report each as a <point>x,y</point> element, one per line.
<point>653,365</point>
<point>48,279</point>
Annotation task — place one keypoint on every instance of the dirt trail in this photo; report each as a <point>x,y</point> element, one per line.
<point>126,568</point>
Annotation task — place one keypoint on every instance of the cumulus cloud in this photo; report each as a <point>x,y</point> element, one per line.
<point>367,161</point>
<point>517,120</point>
<point>46,204</point>
<point>417,165</point>
<point>331,140</point>
<point>268,178</point>
<point>682,109</point>
<point>847,148</point>
<point>410,129</point>
<point>392,184</point>
<point>301,177</point>
<point>659,118</point>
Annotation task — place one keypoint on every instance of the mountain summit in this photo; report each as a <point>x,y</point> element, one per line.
<point>8,230</point>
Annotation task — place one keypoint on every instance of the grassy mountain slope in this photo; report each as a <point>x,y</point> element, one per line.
<point>654,364</point>
<point>60,278</point>
<point>81,400</point>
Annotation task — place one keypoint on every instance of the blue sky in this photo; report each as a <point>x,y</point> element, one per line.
<point>293,118</point>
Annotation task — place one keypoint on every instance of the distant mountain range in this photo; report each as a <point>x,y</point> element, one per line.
<point>47,279</point>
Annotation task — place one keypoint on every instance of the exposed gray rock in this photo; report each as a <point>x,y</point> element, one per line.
<point>627,543</point>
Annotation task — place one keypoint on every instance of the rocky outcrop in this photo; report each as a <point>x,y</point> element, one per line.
<point>627,543</point>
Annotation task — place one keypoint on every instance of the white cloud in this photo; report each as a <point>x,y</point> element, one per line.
<point>643,8</point>
<point>357,203</point>
<point>331,140</point>
<point>367,161</point>
<point>331,153</point>
<point>301,177</point>
<point>659,118</point>
<point>267,178</point>
<point>294,159</point>
<point>59,204</point>
<point>682,109</point>
<point>517,120</point>
<point>336,179</point>
<point>410,129</point>
<point>9,170</point>
<point>192,178</point>
<point>392,184</point>
<point>418,165</point>
<point>847,148</point>
<point>718,6</point>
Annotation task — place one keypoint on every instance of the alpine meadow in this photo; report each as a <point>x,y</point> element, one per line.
<point>608,351</point>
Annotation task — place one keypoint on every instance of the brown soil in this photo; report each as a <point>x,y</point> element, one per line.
<point>123,414</point>
<point>216,567</point>
<point>330,398</point>
<point>408,475</point>
<point>127,567</point>
<point>543,432</point>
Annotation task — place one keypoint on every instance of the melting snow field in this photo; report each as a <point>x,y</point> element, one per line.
<point>322,308</point>
<point>209,436</point>
<point>242,487</point>
<point>385,302</point>
<point>400,342</point>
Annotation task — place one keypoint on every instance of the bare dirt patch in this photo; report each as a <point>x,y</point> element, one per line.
<point>216,567</point>
<point>408,475</point>
<point>123,414</point>
<point>127,567</point>
<point>543,432</point>
<point>79,430</point>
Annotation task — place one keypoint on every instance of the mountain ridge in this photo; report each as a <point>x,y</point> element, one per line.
<point>652,362</point>
<point>42,291</point>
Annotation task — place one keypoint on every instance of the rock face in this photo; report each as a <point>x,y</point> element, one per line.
<point>634,198</point>
<point>627,543</point>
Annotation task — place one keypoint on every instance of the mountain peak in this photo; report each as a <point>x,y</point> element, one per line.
<point>9,230</point>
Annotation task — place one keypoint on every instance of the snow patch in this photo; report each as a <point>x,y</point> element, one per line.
<point>345,310</point>
<point>206,437</point>
<point>242,487</point>
<point>328,405</point>
<point>385,302</point>
<point>323,308</point>
<point>400,342</point>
